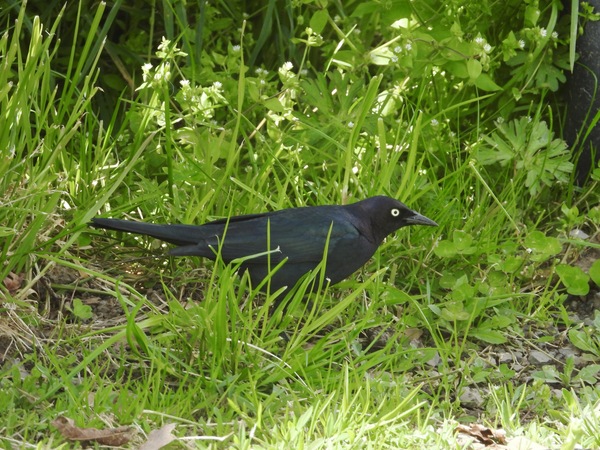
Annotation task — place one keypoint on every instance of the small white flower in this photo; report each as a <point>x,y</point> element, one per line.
<point>218,84</point>
<point>288,66</point>
<point>350,124</point>
<point>554,35</point>
<point>236,48</point>
<point>408,47</point>
<point>434,122</point>
<point>521,43</point>
<point>394,59</point>
<point>184,83</point>
<point>543,32</point>
<point>164,44</point>
<point>487,48</point>
<point>397,49</point>
<point>479,40</point>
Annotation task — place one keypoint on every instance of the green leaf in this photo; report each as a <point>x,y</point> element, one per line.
<point>450,278</point>
<point>489,336</point>
<point>458,68</point>
<point>541,246</point>
<point>393,296</point>
<point>462,242</point>
<point>532,14</point>
<point>445,249</point>
<point>474,68</point>
<point>575,280</point>
<point>462,290</point>
<point>594,272</point>
<point>485,82</point>
<point>511,264</point>
<point>81,311</point>
<point>273,104</point>
<point>453,311</point>
<point>582,341</point>
<point>588,374</point>
<point>365,8</point>
<point>319,20</point>
<point>548,374</point>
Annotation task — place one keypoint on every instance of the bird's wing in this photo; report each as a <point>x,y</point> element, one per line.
<point>298,235</point>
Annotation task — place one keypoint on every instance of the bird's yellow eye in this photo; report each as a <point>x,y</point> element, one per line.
<point>395,212</point>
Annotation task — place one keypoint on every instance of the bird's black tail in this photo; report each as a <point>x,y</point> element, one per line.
<point>174,234</point>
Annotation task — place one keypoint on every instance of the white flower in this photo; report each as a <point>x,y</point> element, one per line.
<point>543,32</point>
<point>350,124</point>
<point>487,48</point>
<point>288,66</point>
<point>236,48</point>
<point>521,43</point>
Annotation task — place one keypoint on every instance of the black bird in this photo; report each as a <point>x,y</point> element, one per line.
<point>298,235</point>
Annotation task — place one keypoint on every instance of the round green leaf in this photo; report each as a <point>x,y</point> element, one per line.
<point>575,280</point>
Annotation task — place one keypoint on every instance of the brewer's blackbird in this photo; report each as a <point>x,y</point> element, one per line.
<point>298,235</point>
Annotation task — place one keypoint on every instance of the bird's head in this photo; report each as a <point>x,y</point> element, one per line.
<point>388,214</point>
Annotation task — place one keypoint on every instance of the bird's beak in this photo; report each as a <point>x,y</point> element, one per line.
<point>419,219</point>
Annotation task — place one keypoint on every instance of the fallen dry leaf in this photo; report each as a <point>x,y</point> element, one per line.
<point>113,436</point>
<point>485,435</point>
<point>13,282</point>
<point>159,438</point>
<point>413,334</point>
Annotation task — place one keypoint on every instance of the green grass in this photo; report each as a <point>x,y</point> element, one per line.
<point>105,329</point>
